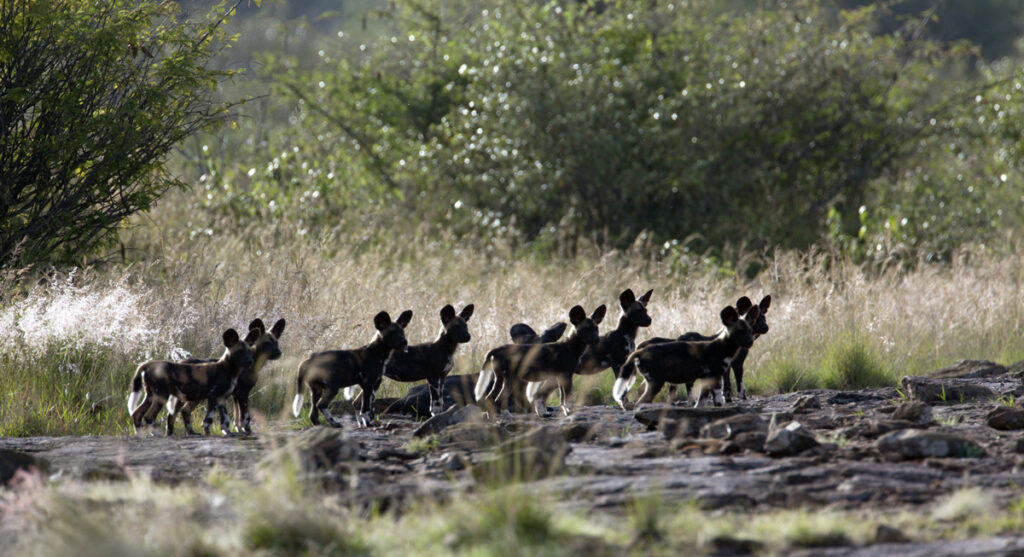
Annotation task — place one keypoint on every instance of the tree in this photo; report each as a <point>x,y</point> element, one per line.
<point>94,94</point>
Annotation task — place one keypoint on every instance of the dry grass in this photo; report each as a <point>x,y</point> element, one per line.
<point>832,324</point>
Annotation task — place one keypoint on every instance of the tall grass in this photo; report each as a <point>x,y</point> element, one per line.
<point>77,338</point>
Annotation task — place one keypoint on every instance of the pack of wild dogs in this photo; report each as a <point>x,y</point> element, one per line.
<point>513,377</point>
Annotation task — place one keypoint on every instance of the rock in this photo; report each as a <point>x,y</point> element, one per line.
<point>473,434</point>
<point>887,534</point>
<point>874,428</point>
<point>1006,418</point>
<point>950,391</point>
<point>1019,446</point>
<point>729,428</point>
<point>790,440</point>
<point>806,403</point>
<point>321,448</point>
<point>914,411</point>
<point>920,443</point>
<point>13,461</point>
<point>968,369</point>
<point>450,417</point>
<point>652,415</point>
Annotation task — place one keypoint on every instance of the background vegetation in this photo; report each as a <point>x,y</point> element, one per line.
<point>529,156</point>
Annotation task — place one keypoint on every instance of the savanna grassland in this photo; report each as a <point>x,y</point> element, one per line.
<point>860,166</point>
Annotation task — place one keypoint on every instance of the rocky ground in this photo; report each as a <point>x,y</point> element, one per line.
<point>868,449</point>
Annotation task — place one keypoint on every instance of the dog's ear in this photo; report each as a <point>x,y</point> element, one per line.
<point>447,314</point>
<point>554,332</point>
<point>258,324</point>
<point>752,314</point>
<point>743,304</point>
<point>278,328</point>
<point>404,319</point>
<point>577,315</point>
<point>466,312</point>
<point>521,333</point>
<point>230,338</point>
<point>253,336</point>
<point>381,320</point>
<point>646,297</point>
<point>729,316</point>
<point>626,299</point>
<point>765,303</point>
<point>598,314</point>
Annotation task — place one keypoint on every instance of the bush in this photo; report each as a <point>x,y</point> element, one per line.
<point>779,126</point>
<point>94,94</point>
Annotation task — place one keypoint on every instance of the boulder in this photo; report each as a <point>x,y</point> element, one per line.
<point>790,440</point>
<point>1006,418</point>
<point>921,443</point>
<point>968,369</point>
<point>950,391</point>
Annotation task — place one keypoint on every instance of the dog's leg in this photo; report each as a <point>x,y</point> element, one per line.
<point>436,388</point>
<point>322,405</point>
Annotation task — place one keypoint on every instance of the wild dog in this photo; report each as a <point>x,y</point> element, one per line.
<point>613,347</point>
<point>527,363</point>
<point>263,349</point>
<point>684,361</point>
<point>432,361</point>
<point>758,327</point>
<point>327,372</point>
<point>170,383</point>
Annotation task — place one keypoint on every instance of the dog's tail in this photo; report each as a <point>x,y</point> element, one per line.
<point>483,383</point>
<point>297,401</point>
<point>624,382</point>
<point>136,396</point>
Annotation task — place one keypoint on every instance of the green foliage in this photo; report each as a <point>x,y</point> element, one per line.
<point>93,96</point>
<point>64,391</point>
<point>780,125</point>
<point>853,363</point>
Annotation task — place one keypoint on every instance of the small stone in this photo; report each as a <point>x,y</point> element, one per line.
<point>452,462</point>
<point>806,404</point>
<point>790,440</point>
<point>914,411</point>
<point>751,440</point>
<point>888,534</point>
<point>1006,418</point>
<point>729,428</point>
<point>726,545</point>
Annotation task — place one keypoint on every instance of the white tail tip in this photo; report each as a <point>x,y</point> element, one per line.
<point>297,405</point>
<point>622,386</point>
<point>483,383</point>
<point>532,388</point>
<point>134,400</point>
<point>349,393</point>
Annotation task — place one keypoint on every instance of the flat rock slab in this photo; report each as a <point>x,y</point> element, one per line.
<point>969,369</point>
